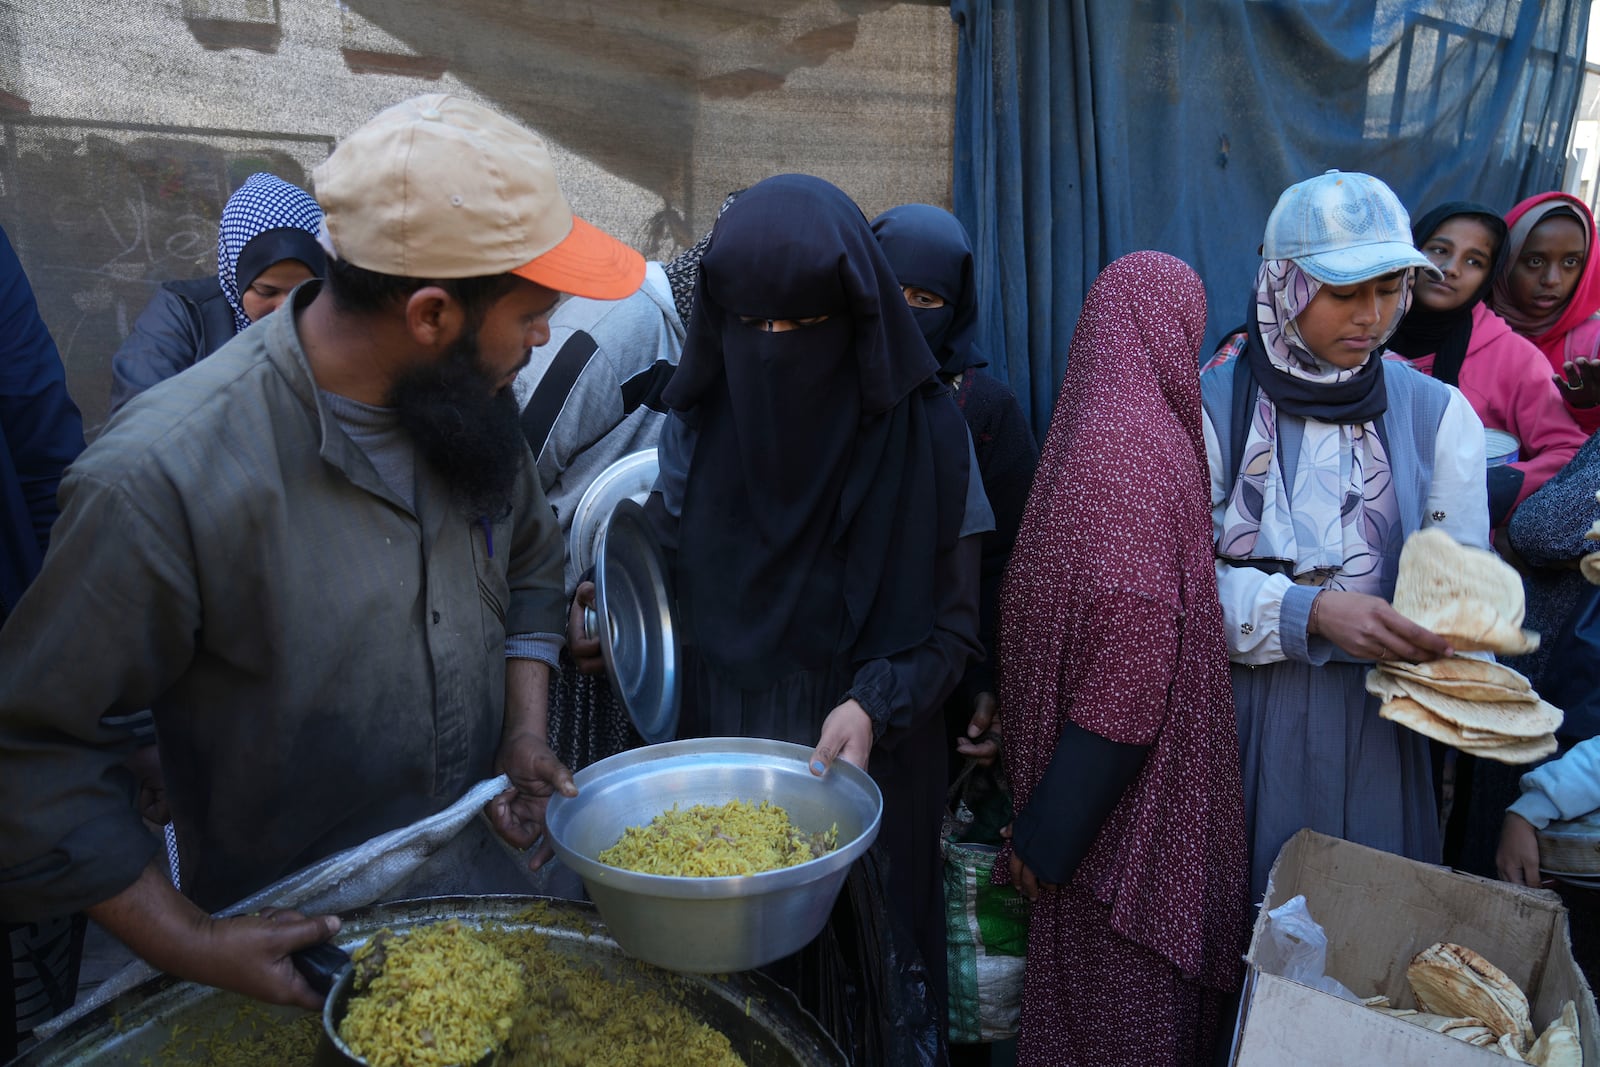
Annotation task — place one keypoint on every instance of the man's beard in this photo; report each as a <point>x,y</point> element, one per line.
<point>463,428</point>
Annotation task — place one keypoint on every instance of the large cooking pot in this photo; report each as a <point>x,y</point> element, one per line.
<point>177,1023</point>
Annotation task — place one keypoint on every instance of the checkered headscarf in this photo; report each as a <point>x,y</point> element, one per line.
<point>264,202</point>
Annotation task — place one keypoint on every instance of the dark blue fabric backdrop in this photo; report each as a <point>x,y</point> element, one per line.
<point>1085,130</point>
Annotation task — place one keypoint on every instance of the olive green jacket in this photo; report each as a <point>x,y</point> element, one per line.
<point>324,663</point>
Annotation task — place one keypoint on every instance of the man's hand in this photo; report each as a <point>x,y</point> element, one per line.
<point>585,650</point>
<point>846,735</point>
<point>1518,856</point>
<point>248,955</point>
<point>252,954</point>
<point>536,773</point>
<point>145,763</point>
<point>1368,628</point>
<point>982,743</point>
<point>1579,382</point>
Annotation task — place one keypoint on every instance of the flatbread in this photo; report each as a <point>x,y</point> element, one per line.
<point>1507,1046</point>
<point>1472,1031</point>
<point>1412,715</point>
<point>1470,679</point>
<point>1513,751</point>
<point>1440,1023</point>
<point>1464,668</point>
<point>1486,736</point>
<point>1507,718</point>
<point>1452,980</point>
<point>1481,1036</point>
<point>1559,1046</point>
<point>1468,595</point>
<point>1497,721</point>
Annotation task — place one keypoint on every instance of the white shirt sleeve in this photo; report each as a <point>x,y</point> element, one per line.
<point>1458,500</point>
<point>1252,599</point>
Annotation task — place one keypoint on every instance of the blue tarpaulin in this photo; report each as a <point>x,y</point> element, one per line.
<point>1086,130</point>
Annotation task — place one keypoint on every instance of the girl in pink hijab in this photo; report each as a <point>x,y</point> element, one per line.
<point>1120,735</point>
<point>1548,290</point>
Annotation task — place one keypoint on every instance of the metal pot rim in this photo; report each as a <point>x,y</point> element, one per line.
<point>841,775</point>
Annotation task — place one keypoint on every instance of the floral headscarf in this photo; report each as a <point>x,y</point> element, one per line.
<point>1344,510</point>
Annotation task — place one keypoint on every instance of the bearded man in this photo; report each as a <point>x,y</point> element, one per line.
<point>321,556</point>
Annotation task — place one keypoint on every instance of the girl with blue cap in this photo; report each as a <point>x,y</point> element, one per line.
<point>1324,457</point>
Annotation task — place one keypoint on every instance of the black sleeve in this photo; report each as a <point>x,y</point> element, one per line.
<point>1085,779</point>
<point>1007,457</point>
<point>664,506</point>
<point>902,691</point>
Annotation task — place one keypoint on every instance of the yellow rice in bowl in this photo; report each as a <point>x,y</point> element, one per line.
<point>435,997</point>
<point>707,841</point>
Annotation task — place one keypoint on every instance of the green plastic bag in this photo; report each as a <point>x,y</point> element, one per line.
<point>986,926</point>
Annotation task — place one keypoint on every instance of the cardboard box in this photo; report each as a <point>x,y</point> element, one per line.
<point>1379,910</point>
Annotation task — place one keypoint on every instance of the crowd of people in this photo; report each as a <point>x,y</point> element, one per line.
<point>322,540</point>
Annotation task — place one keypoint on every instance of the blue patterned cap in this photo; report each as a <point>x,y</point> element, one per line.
<point>1342,227</point>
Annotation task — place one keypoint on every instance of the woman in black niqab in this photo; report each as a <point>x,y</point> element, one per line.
<point>814,486</point>
<point>927,248</point>
<point>830,466</point>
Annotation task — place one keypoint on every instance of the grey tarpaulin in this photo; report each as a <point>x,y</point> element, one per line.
<point>124,128</point>
<point>1086,129</point>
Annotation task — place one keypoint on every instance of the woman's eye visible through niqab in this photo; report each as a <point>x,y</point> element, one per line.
<point>766,325</point>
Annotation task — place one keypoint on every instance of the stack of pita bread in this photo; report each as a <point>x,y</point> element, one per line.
<point>1474,599</point>
<point>1464,996</point>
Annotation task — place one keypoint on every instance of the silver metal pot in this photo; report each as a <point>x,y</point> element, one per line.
<point>713,925</point>
<point>162,1019</point>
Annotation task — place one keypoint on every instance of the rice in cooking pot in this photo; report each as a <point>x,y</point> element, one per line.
<point>710,842</point>
<point>575,1010</point>
<point>437,996</point>
<point>581,1013</point>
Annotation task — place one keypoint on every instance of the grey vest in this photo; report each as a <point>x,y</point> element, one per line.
<point>1409,428</point>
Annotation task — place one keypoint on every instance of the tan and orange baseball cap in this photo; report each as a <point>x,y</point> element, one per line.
<point>441,187</point>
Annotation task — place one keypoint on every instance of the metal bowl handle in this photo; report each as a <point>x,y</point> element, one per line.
<point>320,965</point>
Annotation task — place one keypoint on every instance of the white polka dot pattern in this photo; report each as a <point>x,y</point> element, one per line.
<point>1109,617</point>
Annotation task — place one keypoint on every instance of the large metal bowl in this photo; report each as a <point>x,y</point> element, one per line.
<point>713,925</point>
<point>180,1024</point>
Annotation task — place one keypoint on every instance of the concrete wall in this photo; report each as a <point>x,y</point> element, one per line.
<point>125,125</point>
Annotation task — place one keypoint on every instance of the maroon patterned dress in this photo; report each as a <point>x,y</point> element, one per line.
<point>1109,618</point>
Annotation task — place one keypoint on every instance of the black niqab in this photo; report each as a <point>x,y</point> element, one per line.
<point>928,248</point>
<point>830,466</point>
<point>1447,334</point>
